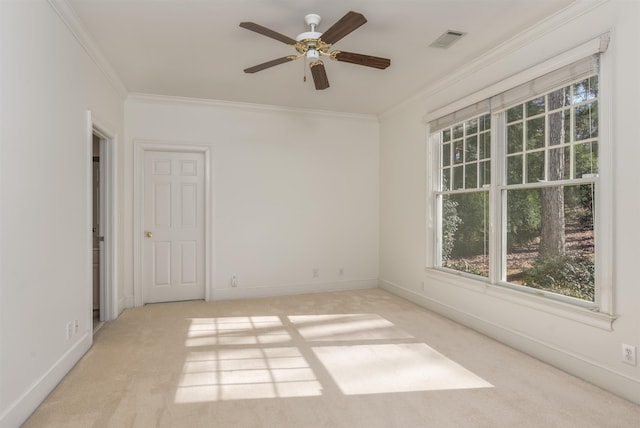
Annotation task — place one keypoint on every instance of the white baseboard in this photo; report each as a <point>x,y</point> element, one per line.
<point>316,287</point>
<point>123,303</point>
<point>18,411</point>
<point>577,365</point>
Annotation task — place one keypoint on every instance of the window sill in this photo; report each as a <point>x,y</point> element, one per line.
<point>544,304</point>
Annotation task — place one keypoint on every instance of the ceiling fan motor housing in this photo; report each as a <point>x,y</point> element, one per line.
<point>308,35</point>
<point>308,42</point>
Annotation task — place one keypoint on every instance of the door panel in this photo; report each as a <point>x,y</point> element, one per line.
<point>173,260</point>
<point>161,260</point>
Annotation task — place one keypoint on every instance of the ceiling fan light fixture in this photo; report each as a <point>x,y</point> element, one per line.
<point>313,54</point>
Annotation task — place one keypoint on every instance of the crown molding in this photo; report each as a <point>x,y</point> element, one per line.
<point>570,13</point>
<point>221,104</point>
<point>71,20</point>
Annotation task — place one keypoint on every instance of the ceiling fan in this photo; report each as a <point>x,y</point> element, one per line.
<point>313,44</point>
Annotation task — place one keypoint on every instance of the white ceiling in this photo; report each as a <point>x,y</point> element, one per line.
<point>195,48</point>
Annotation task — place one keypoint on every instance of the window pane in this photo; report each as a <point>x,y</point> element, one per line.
<point>472,126</point>
<point>471,149</point>
<point>458,151</point>
<point>446,135</point>
<point>464,243</point>
<point>550,239</point>
<point>514,138</point>
<point>446,179</point>
<point>535,133</point>
<point>485,173</point>
<point>446,154</point>
<point>458,177</point>
<point>586,121</point>
<point>514,113</point>
<point>458,131</point>
<point>556,165</point>
<point>560,98</point>
<point>586,161</point>
<point>557,128</point>
<point>559,167</point>
<point>535,167</point>
<point>485,145</point>
<point>484,122</point>
<point>535,107</point>
<point>586,89</point>
<point>514,169</point>
<point>471,176</point>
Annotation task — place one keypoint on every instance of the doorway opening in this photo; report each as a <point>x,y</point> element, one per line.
<point>96,237</point>
<point>102,288</point>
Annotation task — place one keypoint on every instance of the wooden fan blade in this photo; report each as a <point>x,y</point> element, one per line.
<point>360,59</point>
<point>268,64</point>
<point>344,26</point>
<point>319,75</point>
<point>267,32</point>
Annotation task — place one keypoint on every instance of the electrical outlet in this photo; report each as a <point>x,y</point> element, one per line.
<point>234,280</point>
<point>629,354</point>
<point>341,271</point>
<point>316,273</point>
<point>76,326</point>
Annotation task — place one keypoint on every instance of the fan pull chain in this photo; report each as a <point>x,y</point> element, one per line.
<point>304,69</point>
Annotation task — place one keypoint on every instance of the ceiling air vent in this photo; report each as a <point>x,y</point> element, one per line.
<point>447,39</point>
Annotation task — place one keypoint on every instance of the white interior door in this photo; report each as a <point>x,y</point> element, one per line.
<point>173,242</point>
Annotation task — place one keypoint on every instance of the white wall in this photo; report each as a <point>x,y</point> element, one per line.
<point>48,83</point>
<point>589,352</point>
<point>293,191</point>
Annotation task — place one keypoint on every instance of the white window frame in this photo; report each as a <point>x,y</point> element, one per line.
<point>599,313</point>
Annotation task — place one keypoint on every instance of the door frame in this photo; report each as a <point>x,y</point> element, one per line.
<point>139,149</point>
<point>107,214</point>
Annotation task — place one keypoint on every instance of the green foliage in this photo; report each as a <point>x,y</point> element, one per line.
<point>450,224</point>
<point>472,214</point>
<point>524,217</point>
<point>568,275</point>
<point>579,199</point>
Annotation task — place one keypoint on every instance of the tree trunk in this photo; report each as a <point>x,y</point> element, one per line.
<point>552,233</point>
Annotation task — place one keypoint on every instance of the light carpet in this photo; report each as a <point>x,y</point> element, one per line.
<point>363,358</point>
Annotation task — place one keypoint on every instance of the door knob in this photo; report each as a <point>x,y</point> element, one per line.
<point>149,234</point>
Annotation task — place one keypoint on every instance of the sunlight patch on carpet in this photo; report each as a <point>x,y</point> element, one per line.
<point>241,358</point>
<point>254,330</point>
<point>241,374</point>
<point>337,327</point>
<point>388,368</point>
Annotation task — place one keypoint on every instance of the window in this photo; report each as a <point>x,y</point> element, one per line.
<point>465,175</point>
<point>551,163</point>
<point>516,187</point>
